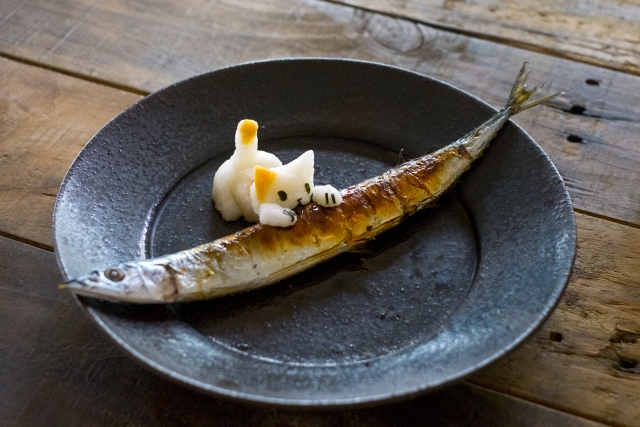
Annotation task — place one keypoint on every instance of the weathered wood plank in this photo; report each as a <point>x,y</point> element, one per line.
<point>142,46</point>
<point>538,391</point>
<point>590,135</point>
<point>585,359</point>
<point>56,369</point>
<point>599,32</point>
<point>45,119</point>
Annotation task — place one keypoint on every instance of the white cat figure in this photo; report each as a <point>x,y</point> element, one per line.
<point>277,190</point>
<point>232,181</point>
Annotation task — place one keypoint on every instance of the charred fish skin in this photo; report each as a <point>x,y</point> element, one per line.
<point>261,255</point>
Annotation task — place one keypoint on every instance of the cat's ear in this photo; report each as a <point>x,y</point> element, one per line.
<point>302,167</point>
<point>263,179</point>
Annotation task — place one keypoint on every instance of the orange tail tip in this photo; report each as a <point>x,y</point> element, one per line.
<point>248,130</point>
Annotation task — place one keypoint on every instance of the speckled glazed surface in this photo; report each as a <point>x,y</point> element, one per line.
<point>447,292</point>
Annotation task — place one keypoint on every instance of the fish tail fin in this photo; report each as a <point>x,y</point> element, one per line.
<point>519,99</point>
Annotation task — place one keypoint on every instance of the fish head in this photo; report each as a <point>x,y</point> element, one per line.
<point>135,282</point>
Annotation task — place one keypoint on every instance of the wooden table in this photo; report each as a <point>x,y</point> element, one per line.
<point>69,66</point>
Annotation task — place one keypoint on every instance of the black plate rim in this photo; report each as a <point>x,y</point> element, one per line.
<point>319,403</point>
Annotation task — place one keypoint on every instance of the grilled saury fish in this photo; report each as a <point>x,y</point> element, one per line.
<point>261,255</point>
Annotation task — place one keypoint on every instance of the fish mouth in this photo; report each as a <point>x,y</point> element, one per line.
<point>82,282</point>
<point>73,285</point>
<point>89,286</point>
<point>95,285</point>
<point>79,287</point>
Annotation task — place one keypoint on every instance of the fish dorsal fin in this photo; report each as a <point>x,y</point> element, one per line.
<point>263,179</point>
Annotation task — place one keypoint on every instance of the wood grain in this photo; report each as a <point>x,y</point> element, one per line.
<point>45,119</point>
<point>586,357</point>
<point>605,33</point>
<point>57,369</point>
<point>590,134</point>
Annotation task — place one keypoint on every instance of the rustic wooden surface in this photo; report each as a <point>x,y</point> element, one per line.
<point>600,170</point>
<point>69,66</point>
<point>600,32</point>
<point>588,350</point>
<point>47,118</point>
<point>59,372</point>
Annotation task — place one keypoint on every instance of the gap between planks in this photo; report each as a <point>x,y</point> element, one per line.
<point>74,74</point>
<point>27,241</point>
<point>607,218</point>
<point>546,404</point>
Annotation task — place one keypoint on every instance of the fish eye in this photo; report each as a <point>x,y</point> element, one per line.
<point>282,195</point>
<point>114,274</point>
<point>307,187</point>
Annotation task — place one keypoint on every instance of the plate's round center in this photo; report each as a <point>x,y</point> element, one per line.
<point>396,292</point>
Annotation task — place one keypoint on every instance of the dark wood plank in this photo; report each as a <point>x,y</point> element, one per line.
<point>600,32</point>
<point>57,369</point>
<point>45,120</point>
<point>591,134</point>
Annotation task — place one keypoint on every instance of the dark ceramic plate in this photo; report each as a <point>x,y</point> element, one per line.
<point>428,303</point>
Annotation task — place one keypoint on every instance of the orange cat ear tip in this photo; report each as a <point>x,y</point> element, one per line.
<point>261,170</point>
<point>263,178</point>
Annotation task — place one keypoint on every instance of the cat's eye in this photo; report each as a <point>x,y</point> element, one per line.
<point>307,187</point>
<point>282,195</point>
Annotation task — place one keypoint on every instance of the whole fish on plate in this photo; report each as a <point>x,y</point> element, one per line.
<point>261,255</point>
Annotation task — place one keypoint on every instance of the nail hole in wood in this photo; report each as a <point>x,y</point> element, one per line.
<point>592,82</point>
<point>555,336</point>
<point>577,109</point>
<point>628,363</point>
<point>574,138</point>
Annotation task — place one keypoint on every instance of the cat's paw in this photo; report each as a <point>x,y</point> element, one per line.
<point>277,216</point>
<point>326,195</point>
